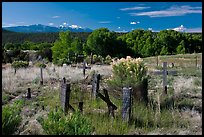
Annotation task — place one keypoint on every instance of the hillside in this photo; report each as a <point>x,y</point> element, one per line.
<point>49,37</point>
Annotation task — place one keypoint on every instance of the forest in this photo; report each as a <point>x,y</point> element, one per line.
<point>63,47</point>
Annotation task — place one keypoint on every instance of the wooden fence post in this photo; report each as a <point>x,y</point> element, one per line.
<point>157,60</point>
<point>81,106</point>
<point>29,93</point>
<point>127,102</point>
<point>165,77</point>
<point>14,70</point>
<point>95,84</point>
<point>91,58</point>
<point>196,61</point>
<point>84,68</point>
<point>64,95</point>
<point>41,76</point>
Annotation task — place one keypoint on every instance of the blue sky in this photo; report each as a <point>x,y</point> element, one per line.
<point>116,16</point>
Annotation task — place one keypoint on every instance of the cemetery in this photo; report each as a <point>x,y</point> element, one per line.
<point>158,96</point>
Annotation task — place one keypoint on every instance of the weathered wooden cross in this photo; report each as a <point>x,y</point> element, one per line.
<point>84,68</point>
<point>111,106</point>
<point>164,72</point>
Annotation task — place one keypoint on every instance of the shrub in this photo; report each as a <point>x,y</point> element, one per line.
<point>11,118</point>
<point>19,64</point>
<point>59,124</point>
<point>128,72</point>
<point>41,65</point>
<point>108,60</point>
<point>97,59</point>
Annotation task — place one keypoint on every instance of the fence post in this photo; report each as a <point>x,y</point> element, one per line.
<point>14,70</point>
<point>81,106</point>
<point>127,101</point>
<point>41,76</point>
<point>95,84</point>
<point>196,61</point>
<point>165,77</point>
<point>29,93</point>
<point>64,95</point>
<point>91,59</point>
<point>157,60</point>
<point>84,68</point>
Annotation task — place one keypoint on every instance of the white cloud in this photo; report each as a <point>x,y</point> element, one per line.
<point>172,11</point>
<point>150,29</point>
<point>61,26</point>
<point>180,28</point>
<point>133,22</point>
<point>189,30</point>
<point>134,8</point>
<point>104,22</point>
<point>118,27</point>
<point>50,23</point>
<point>118,17</point>
<point>54,17</point>
<point>75,26</point>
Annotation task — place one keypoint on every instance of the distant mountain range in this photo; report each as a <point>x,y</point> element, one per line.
<point>43,28</point>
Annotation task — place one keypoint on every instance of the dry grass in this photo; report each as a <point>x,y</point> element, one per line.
<point>187,84</point>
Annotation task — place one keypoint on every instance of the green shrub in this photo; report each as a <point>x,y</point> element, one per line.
<point>97,59</point>
<point>59,124</point>
<point>108,60</point>
<point>11,118</point>
<point>19,64</point>
<point>41,65</point>
<point>128,72</point>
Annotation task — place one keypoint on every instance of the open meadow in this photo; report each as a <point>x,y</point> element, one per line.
<point>177,112</point>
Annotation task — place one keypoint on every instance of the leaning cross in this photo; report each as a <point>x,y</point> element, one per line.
<point>165,73</point>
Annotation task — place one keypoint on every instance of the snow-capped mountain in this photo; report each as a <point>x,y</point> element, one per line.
<point>43,28</point>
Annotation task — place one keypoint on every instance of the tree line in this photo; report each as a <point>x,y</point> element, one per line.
<point>103,42</point>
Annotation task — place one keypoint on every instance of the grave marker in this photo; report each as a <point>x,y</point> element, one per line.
<point>64,95</point>
<point>95,84</point>
<point>41,76</point>
<point>91,58</point>
<point>127,102</point>
<point>196,61</point>
<point>84,68</point>
<point>111,106</point>
<point>29,93</point>
<point>164,73</point>
<point>157,60</point>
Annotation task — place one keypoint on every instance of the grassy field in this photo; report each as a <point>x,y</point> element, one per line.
<point>179,112</point>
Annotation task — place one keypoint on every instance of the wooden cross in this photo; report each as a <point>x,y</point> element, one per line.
<point>164,72</point>
<point>111,106</point>
<point>84,68</point>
